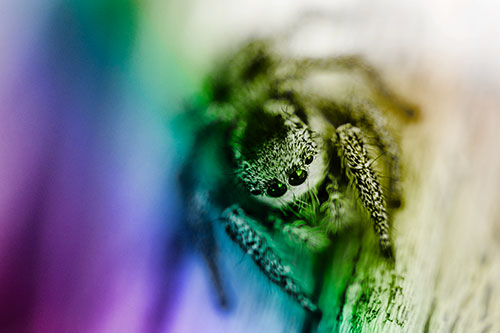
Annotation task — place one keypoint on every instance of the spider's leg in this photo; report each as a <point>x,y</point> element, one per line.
<point>239,229</point>
<point>370,117</point>
<point>357,165</point>
<point>200,204</point>
<point>357,63</point>
<point>202,230</point>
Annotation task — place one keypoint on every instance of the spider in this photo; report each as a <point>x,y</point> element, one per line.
<point>290,145</point>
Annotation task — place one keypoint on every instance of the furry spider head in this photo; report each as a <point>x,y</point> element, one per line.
<point>277,156</point>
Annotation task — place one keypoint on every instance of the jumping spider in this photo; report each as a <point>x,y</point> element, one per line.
<point>289,146</point>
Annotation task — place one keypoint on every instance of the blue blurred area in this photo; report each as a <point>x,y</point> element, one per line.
<point>88,205</point>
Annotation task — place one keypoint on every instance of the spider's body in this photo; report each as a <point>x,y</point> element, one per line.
<point>288,148</point>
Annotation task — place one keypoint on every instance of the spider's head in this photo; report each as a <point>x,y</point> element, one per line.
<point>278,158</point>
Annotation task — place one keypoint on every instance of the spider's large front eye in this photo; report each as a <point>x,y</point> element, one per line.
<point>297,177</point>
<point>276,189</point>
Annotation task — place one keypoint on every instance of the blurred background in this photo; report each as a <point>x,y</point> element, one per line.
<point>90,231</point>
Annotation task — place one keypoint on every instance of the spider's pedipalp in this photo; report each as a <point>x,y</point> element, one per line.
<point>334,208</point>
<point>312,237</point>
<point>356,164</point>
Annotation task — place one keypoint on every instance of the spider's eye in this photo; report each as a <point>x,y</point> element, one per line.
<point>276,189</point>
<point>309,159</point>
<point>297,177</point>
<point>256,192</point>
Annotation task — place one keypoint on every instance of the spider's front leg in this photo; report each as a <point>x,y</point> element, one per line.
<point>370,117</point>
<point>357,165</point>
<point>238,226</point>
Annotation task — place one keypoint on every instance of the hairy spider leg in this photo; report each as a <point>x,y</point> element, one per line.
<point>237,226</point>
<point>357,165</point>
<point>366,115</point>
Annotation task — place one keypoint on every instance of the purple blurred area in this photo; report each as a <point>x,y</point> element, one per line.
<point>87,214</point>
